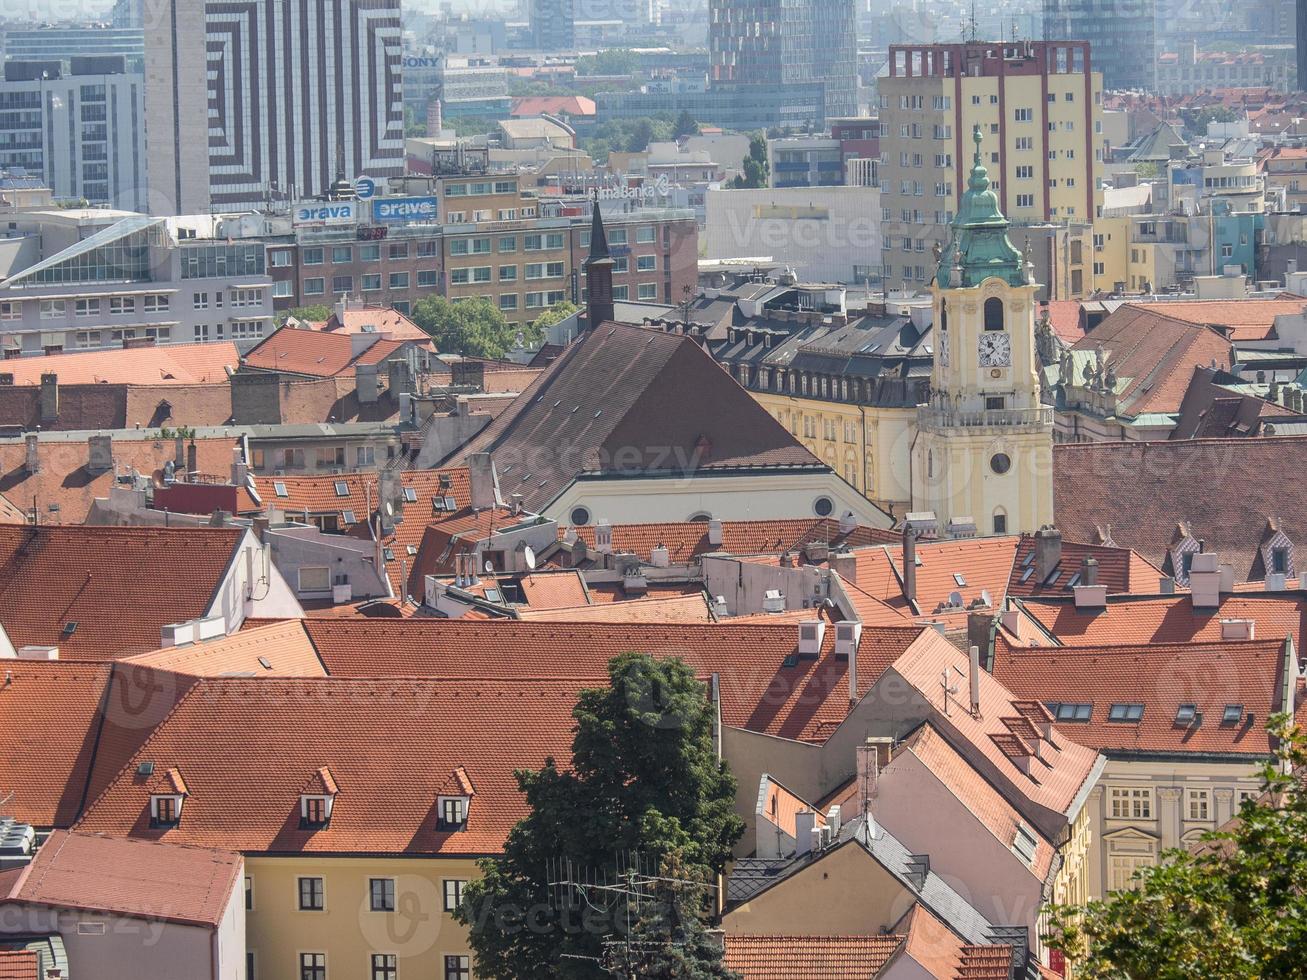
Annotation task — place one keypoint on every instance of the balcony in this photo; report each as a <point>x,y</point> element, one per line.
<point>998,418</point>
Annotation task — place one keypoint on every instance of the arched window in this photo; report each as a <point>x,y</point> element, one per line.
<point>993,313</point>
<point>1000,520</point>
<point>943,314</point>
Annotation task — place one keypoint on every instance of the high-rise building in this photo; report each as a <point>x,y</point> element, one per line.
<point>1038,104</point>
<point>65,43</point>
<point>1121,34</point>
<point>296,94</point>
<point>82,129</point>
<point>777,45</point>
<point>1300,39</point>
<point>553,25</point>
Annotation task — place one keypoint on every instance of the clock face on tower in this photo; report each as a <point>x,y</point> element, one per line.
<point>995,349</point>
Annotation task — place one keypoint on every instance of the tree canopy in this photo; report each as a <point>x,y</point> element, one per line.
<point>1234,908</point>
<point>471,327</point>
<point>755,164</point>
<point>555,313</point>
<point>317,313</point>
<point>644,780</point>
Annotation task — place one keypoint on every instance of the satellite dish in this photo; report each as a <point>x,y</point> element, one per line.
<point>986,598</point>
<point>529,556</point>
<point>389,508</point>
<point>955,598</point>
<point>489,566</point>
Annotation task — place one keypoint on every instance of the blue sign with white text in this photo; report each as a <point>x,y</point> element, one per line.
<point>399,210</point>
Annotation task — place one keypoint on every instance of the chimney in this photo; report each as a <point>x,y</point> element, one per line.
<point>603,537</point>
<point>484,481</point>
<point>980,630</point>
<point>1089,571</point>
<point>848,634</point>
<point>33,458</point>
<point>192,458</point>
<point>910,564</point>
<point>239,471</point>
<point>873,755</point>
<point>341,308</point>
<point>390,491</point>
<point>1205,581</point>
<point>1227,577</point>
<point>516,503</point>
<point>360,342</point>
<point>844,564</point>
<point>804,823</point>
<point>99,453</point>
<point>435,122</point>
<point>1166,585</point>
<point>714,532</point>
<point>49,398</point>
<point>401,382</point>
<point>367,383</point>
<point>1090,596</point>
<point>974,677</point>
<point>660,557</point>
<point>179,453</point>
<point>1048,551</point>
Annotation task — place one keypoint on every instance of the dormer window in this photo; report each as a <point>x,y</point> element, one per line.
<point>453,812</point>
<point>165,810</point>
<point>315,811</point>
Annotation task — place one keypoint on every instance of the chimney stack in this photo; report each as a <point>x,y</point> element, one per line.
<point>1048,551</point>
<point>910,564</point>
<point>873,755</point>
<point>33,457</point>
<point>975,681</point>
<point>49,399</point>
<point>179,453</point>
<point>239,471</point>
<point>192,458</point>
<point>483,480</point>
<point>1089,571</point>
<point>804,822</point>
<point>99,453</point>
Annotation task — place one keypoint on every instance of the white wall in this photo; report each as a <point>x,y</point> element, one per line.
<point>826,234</point>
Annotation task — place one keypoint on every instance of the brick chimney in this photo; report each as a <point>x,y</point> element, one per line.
<point>99,455</point>
<point>49,398</point>
<point>32,461</point>
<point>909,564</point>
<point>192,458</point>
<point>1048,551</point>
<point>1089,571</point>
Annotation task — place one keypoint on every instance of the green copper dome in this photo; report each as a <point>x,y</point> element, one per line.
<point>979,247</point>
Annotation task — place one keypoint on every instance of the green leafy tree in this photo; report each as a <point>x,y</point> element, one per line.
<point>755,164</point>
<point>555,313</point>
<point>317,313</point>
<point>644,779</point>
<point>685,125</point>
<point>615,61</point>
<point>472,327</point>
<point>1234,908</point>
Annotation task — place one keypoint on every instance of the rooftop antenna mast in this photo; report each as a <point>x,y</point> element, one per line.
<point>971,27</point>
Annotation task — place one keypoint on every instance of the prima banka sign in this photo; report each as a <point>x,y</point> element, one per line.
<point>401,210</point>
<point>326,213</point>
<point>660,186</point>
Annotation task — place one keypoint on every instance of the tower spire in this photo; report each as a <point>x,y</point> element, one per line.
<point>598,272</point>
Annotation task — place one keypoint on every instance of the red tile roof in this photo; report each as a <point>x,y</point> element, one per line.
<point>1160,677</point>
<point>66,729</point>
<point>944,956</point>
<point>118,585</point>
<point>809,957</point>
<point>1064,317</point>
<point>317,495</point>
<point>970,567</point>
<point>166,364</point>
<point>657,609</point>
<point>686,539</point>
<point>375,319</point>
<point>537,105</point>
<point>1057,781</point>
<point>315,353</point>
<point>665,407</point>
<point>295,727</point>
<point>64,488</point>
<point>20,964</point>
<point>1120,569</point>
<point>1241,319</point>
<point>269,650</point>
<point>1225,490</point>
<point>806,701</point>
<point>138,879</point>
<point>1171,619</point>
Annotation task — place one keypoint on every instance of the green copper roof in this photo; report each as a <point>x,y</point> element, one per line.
<point>979,248</point>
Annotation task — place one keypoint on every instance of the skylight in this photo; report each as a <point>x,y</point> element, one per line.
<point>347,516</point>
<point>1025,843</point>
<point>279,489</point>
<point>1232,715</point>
<point>449,504</point>
<point>410,495</point>
<point>1125,712</point>
<point>1185,714</point>
<point>342,488</point>
<point>958,579</point>
<point>1070,710</point>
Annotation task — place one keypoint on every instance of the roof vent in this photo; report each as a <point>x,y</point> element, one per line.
<point>660,557</point>
<point>847,636</point>
<point>1238,629</point>
<point>773,601</point>
<point>1091,596</point>
<point>38,653</point>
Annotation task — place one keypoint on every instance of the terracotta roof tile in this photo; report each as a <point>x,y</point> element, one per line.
<point>1158,677</point>
<point>1171,619</point>
<point>20,964</point>
<point>781,806</point>
<point>138,879</point>
<point>1120,569</point>
<point>1225,490</point>
<point>98,593</point>
<point>1244,319</point>
<point>272,650</point>
<point>804,701</point>
<point>664,406</point>
<point>374,319</point>
<point>64,488</point>
<point>315,353</point>
<point>66,729</point>
<point>670,609</point>
<point>166,364</point>
<point>970,567</point>
<point>686,539</point>
<point>809,957</point>
<point>1154,354</point>
<point>430,728</point>
<point>944,956</point>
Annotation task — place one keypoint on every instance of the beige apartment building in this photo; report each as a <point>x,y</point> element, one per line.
<point>1039,105</point>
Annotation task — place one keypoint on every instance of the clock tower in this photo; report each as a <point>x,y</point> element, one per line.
<point>984,448</point>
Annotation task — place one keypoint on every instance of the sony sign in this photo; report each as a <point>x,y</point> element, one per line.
<point>401,210</point>
<point>326,213</point>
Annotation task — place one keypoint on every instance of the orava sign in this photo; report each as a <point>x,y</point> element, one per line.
<point>397,210</point>
<point>331,213</point>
